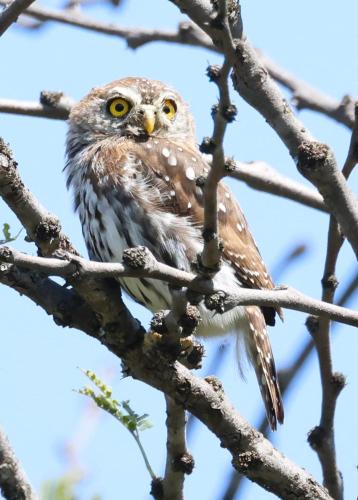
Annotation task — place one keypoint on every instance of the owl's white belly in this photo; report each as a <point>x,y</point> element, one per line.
<point>108,237</point>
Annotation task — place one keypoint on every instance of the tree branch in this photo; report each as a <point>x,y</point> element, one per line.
<point>179,461</point>
<point>147,266</point>
<point>12,12</point>
<point>222,113</point>
<point>304,96</point>
<point>322,437</point>
<point>77,19</point>
<point>252,454</point>
<point>314,160</point>
<point>187,33</point>
<point>261,176</point>
<point>53,105</point>
<point>41,226</point>
<point>286,376</point>
<point>14,484</point>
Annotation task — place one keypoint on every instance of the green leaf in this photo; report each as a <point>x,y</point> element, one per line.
<point>7,234</point>
<point>133,422</point>
<point>6,231</point>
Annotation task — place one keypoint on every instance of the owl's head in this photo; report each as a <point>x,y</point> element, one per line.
<point>131,107</point>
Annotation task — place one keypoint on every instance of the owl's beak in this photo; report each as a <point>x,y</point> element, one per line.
<point>149,120</point>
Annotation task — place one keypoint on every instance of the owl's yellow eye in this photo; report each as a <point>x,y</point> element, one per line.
<point>169,108</point>
<point>119,107</point>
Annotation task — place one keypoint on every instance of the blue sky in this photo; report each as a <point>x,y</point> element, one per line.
<point>38,367</point>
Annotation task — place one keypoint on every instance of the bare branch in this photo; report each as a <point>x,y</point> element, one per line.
<point>305,96</point>
<point>12,12</point>
<point>352,156</point>
<point>75,18</point>
<point>287,376</point>
<point>314,160</point>
<point>14,484</point>
<point>259,175</point>
<point>251,452</point>
<point>52,105</point>
<point>41,226</point>
<point>179,461</point>
<point>322,438</point>
<point>64,305</point>
<point>151,268</point>
<point>223,112</point>
<point>187,33</point>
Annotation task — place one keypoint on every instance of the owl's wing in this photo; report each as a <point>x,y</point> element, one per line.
<point>178,170</point>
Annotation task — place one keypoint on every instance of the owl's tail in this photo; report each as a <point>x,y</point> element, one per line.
<point>259,351</point>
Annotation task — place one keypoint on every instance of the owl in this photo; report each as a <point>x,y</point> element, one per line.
<point>133,165</point>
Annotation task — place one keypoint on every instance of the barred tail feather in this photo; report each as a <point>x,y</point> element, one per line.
<point>260,355</point>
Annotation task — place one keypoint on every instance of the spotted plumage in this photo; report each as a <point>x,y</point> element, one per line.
<point>138,177</point>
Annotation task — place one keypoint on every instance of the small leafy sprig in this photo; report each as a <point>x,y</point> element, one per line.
<point>7,234</point>
<point>121,411</point>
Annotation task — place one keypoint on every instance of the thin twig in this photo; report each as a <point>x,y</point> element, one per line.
<point>75,18</point>
<point>58,111</point>
<point>211,254</point>
<point>13,481</point>
<point>259,175</point>
<point>179,461</point>
<point>304,96</point>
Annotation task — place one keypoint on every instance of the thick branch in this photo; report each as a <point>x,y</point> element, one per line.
<point>64,305</point>
<point>12,12</point>
<point>14,484</point>
<point>251,452</point>
<point>41,226</point>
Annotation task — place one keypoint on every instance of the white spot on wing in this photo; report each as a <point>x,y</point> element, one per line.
<point>166,152</point>
<point>172,161</point>
<point>190,174</point>
<point>222,207</point>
